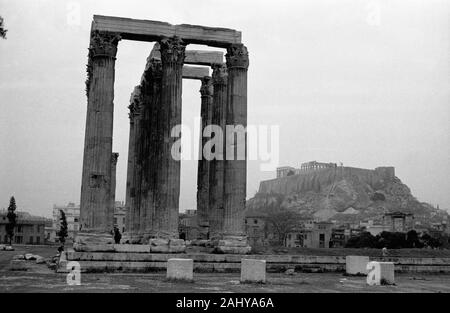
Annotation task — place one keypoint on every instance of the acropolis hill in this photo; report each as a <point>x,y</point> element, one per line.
<point>326,191</point>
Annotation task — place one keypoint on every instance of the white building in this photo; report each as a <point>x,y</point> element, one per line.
<point>72,212</point>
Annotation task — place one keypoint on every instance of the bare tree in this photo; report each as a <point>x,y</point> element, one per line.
<point>282,221</point>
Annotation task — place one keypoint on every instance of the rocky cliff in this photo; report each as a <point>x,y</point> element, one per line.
<point>344,194</point>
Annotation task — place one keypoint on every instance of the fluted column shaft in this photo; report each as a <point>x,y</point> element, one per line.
<point>151,90</point>
<point>216,185</point>
<point>110,218</point>
<point>236,115</point>
<point>96,176</point>
<point>168,172</point>
<point>206,91</point>
<point>130,173</point>
<point>135,192</point>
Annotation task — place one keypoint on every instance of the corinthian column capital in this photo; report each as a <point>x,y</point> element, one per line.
<point>103,44</point>
<point>207,88</point>
<point>237,56</point>
<point>219,74</point>
<point>172,50</point>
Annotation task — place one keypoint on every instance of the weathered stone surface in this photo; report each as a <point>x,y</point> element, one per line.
<point>94,247</point>
<point>30,256</point>
<point>19,257</point>
<point>201,57</point>
<point>235,243</point>
<point>2,247</point>
<point>356,264</point>
<point>158,242</point>
<point>290,271</point>
<point>253,271</point>
<point>233,249</point>
<point>180,269</point>
<point>194,72</point>
<point>19,265</point>
<point>9,248</point>
<point>93,239</point>
<point>146,30</point>
<point>40,260</point>
<point>235,146</point>
<point>177,242</point>
<point>95,203</point>
<point>132,248</point>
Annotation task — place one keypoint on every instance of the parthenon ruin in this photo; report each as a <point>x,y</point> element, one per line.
<point>153,174</point>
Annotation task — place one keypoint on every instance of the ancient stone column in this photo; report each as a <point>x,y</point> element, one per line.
<point>168,170</point>
<point>216,183</point>
<point>127,236</point>
<point>135,190</point>
<point>151,94</point>
<point>96,176</point>
<point>206,91</point>
<point>236,143</point>
<point>114,158</point>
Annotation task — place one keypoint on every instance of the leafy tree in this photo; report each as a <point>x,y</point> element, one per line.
<point>412,239</point>
<point>392,240</point>
<point>12,219</point>
<point>364,240</point>
<point>2,29</point>
<point>62,233</point>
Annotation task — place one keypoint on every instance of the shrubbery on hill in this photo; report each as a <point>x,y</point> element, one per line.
<point>397,240</point>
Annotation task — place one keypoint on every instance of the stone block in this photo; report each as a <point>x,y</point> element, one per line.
<point>19,257</point>
<point>356,265</point>
<point>2,247</point>
<point>159,249</point>
<point>9,248</point>
<point>40,260</point>
<point>132,248</point>
<point>233,249</point>
<point>253,271</point>
<point>18,265</point>
<point>177,249</point>
<point>380,273</point>
<point>234,243</point>
<point>93,247</point>
<point>158,242</point>
<point>176,242</point>
<point>180,269</point>
<point>29,256</point>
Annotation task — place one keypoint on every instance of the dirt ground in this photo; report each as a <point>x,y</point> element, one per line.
<point>41,279</point>
<point>220,283</point>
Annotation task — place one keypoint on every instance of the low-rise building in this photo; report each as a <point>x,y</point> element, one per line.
<point>315,235</point>
<point>29,229</point>
<point>188,225</point>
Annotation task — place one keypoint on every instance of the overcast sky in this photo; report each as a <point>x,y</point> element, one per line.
<point>365,83</point>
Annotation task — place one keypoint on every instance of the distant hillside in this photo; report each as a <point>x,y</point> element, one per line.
<point>345,194</point>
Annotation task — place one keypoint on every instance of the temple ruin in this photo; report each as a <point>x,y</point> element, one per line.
<point>153,174</point>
